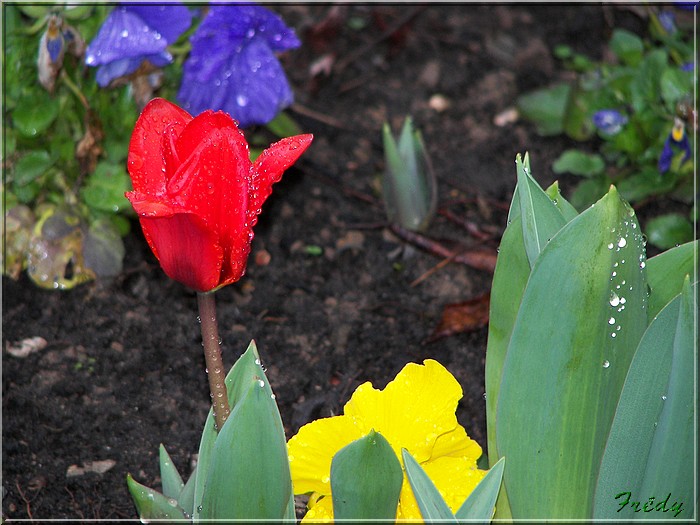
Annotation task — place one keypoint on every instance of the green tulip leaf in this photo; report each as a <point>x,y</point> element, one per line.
<point>509,281</point>
<point>366,480</point>
<point>650,448</point>
<point>186,497</point>
<point>248,470</point>
<point>665,274</point>
<point>565,207</point>
<point>151,504</point>
<point>430,502</point>
<point>582,314</point>
<point>541,219</point>
<point>171,479</point>
<point>480,503</point>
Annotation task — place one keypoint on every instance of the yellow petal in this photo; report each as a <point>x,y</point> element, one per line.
<point>456,444</point>
<point>320,512</point>
<point>455,479</point>
<point>312,449</point>
<point>413,410</point>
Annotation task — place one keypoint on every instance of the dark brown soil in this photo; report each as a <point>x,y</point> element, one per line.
<point>123,368</point>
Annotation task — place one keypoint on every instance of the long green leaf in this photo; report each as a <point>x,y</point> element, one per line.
<point>430,502</point>
<point>248,476</point>
<point>152,504</point>
<point>541,219</point>
<point>480,503</point>
<point>666,271</point>
<point>171,480</point>
<point>366,480</point>
<point>509,280</point>
<point>652,435</point>
<point>565,207</point>
<point>581,316</point>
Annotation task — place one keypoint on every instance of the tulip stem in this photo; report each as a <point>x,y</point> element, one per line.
<point>212,357</point>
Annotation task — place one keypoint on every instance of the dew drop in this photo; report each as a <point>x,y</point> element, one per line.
<point>614,299</point>
<point>642,264</point>
<point>606,363</point>
<point>124,34</point>
<point>610,246</point>
<point>613,334</point>
<point>261,383</point>
<point>663,398</point>
<point>242,100</point>
<point>611,320</point>
<point>325,479</point>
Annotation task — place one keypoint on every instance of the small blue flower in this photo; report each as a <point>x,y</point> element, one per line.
<point>668,21</point>
<point>232,65</point>
<point>688,67</point>
<point>677,138</point>
<point>133,33</point>
<point>609,121</point>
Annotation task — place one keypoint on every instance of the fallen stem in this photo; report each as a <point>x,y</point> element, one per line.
<point>212,357</point>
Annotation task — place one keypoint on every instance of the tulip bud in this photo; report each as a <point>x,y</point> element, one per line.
<point>409,185</point>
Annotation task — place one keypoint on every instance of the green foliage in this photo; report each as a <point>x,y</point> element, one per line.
<point>574,327</point>
<point>366,480</point>
<point>478,506</point>
<point>242,471</point>
<point>648,86</point>
<point>67,150</point>
<point>409,187</point>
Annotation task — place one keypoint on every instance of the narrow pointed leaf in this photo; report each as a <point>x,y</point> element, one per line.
<point>565,207</point>
<point>248,475</point>
<point>567,360</point>
<point>541,219</point>
<point>246,369</point>
<point>666,272</point>
<point>509,281</point>
<point>650,447</point>
<point>480,503</point>
<point>430,502</point>
<point>172,482</point>
<point>151,504</point>
<point>186,497</point>
<point>366,480</point>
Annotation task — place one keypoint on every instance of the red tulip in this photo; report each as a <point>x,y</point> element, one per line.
<point>196,192</point>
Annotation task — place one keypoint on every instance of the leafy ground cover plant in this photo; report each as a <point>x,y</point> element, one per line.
<point>635,110</point>
<point>81,75</point>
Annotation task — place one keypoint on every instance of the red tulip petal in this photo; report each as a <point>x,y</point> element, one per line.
<point>269,167</point>
<point>188,250</point>
<point>146,160</point>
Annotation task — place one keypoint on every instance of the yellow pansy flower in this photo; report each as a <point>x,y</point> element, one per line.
<point>415,411</point>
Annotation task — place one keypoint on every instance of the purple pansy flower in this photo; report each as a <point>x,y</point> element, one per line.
<point>232,65</point>
<point>133,33</point>
<point>609,121</point>
<point>668,21</point>
<point>678,138</point>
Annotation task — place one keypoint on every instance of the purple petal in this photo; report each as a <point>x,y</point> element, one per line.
<point>232,65</point>
<point>126,66</point>
<point>609,121</point>
<point>169,20</point>
<point>123,35</point>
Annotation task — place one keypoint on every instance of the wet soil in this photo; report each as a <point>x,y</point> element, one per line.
<point>330,295</point>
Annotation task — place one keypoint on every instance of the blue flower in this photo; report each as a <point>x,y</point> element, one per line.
<point>134,33</point>
<point>668,21</point>
<point>609,121</point>
<point>677,138</point>
<point>232,65</point>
